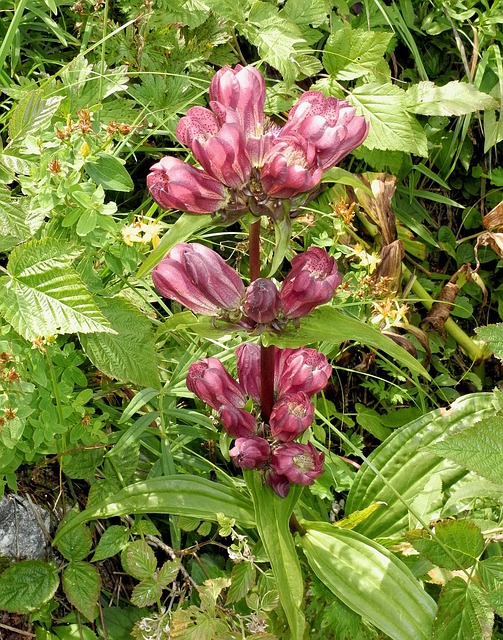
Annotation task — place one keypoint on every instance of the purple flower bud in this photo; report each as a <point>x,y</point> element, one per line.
<point>290,168</point>
<point>279,484</point>
<point>329,124</point>
<point>211,382</point>
<point>302,369</point>
<point>198,278</point>
<point>177,185</point>
<point>262,300</point>
<point>248,356</point>
<point>292,414</point>
<point>312,281</point>
<point>221,151</point>
<point>250,453</point>
<point>237,422</point>
<point>299,463</point>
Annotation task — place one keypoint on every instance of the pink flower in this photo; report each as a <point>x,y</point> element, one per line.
<point>248,355</point>
<point>219,149</point>
<point>279,484</point>
<point>198,278</point>
<point>237,422</point>
<point>329,124</point>
<point>312,281</point>
<point>299,463</point>
<point>292,414</point>
<point>301,370</point>
<point>262,301</point>
<point>177,185</point>
<point>211,383</point>
<point>250,453</point>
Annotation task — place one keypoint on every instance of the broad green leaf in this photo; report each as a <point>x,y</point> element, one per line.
<point>462,613</point>
<point>13,226</point>
<point>456,544</point>
<point>493,335</point>
<point>74,632</point>
<point>113,540</point>
<point>272,515</point>
<point>33,113</point>
<point>28,585</point>
<point>76,543</point>
<point>129,354</point>
<point>82,585</point>
<point>109,172</point>
<point>352,53</point>
<point>462,497</point>
<point>490,571</point>
<point>178,495</point>
<point>399,469</point>
<point>242,580</point>
<point>168,572</point>
<point>392,128</point>
<point>302,12</point>
<point>44,295</point>
<point>341,176</point>
<point>370,580</point>
<point>354,519</point>
<point>452,99</point>
<point>479,449</point>
<point>146,592</point>
<point>282,236</point>
<point>328,324</point>
<point>427,504</point>
<point>139,560</point>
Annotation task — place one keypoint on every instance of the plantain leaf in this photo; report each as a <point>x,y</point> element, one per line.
<point>370,580</point>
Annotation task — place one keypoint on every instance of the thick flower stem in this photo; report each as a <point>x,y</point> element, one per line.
<point>267,381</point>
<point>254,250</point>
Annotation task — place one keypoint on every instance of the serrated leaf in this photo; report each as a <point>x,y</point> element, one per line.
<point>302,12</point>
<point>13,227</point>
<point>129,354</point>
<point>28,585</point>
<point>370,580</point>
<point>242,580</point>
<point>490,571</point>
<point>82,585</point>
<point>109,172</point>
<point>76,543</point>
<point>146,592</point>
<point>139,560</point>
<point>462,613</point>
<point>44,295</point>
<point>32,113</point>
<point>493,335</point>
<point>168,572</point>
<point>479,449</point>
<point>352,53</point>
<point>456,544</point>
<point>391,128</point>
<point>113,540</point>
<point>452,99</point>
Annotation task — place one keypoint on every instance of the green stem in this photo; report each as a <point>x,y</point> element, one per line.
<point>11,31</point>
<point>55,391</point>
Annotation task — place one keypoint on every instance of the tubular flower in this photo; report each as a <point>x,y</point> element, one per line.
<point>177,185</point>
<point>312,281</point>
<point>299,463</point>
<point>262,301</point>
<point>211,382</point>
<point>248,356</point>
<point>278,483</point>
<point>301,370</point>
<point>327,123</point>
<point>237,422</point>
<point>292,414</point>
<point>200,279</point>
<point>250,453</point>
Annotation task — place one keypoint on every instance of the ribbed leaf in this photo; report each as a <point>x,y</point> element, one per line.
<point>369,580</point>
<point>32,113</point>
<point>401,467</point>
<point>452,99</point>
<point>178,495</point>
<point>44,295</point>
<point>27,585</point>
<point>82,584</point>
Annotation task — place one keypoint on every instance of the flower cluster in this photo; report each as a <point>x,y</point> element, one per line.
<point>298,375</point>
<point>200,279</point>
<point>248,163</point>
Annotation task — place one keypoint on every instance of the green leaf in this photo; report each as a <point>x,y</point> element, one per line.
<point>76,543</point>
<point>139,560</point>
<point>74,632</point>
<point>355,518</point>
<point>113,540</point>
<point>272,516</point>
<point>168,572</point>
<point>328,324</point>
<point>370,580</point>
<point>33,113</point>
<point>462,613</point>
<point>129,354</point>
<point>82,585</point>
<point>13,226</point>
<point>392,128</point>
<point>479,449</point>
<point>243,579</point>
<point>282,236</point>
<point>44,295</point>
<point>28,585</point>
<point>178,495</point>
<point>303,12</point>
<point>427,503</point>
<point>490,571</point>
<point>399,469</point>
<point>146,592</point>
<point>109,172</point>
<point>352,53</point>
<point>493,335</point>
<point>453,99</point>
<point>341,176</point>
<point>462,539</point>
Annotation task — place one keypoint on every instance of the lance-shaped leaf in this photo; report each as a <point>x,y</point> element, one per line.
<point>452,99</point>
<point>369,580</point>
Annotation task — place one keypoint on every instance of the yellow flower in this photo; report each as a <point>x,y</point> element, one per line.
<point>143,232</point>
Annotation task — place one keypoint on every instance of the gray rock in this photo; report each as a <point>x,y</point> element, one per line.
<point>24,528</point>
